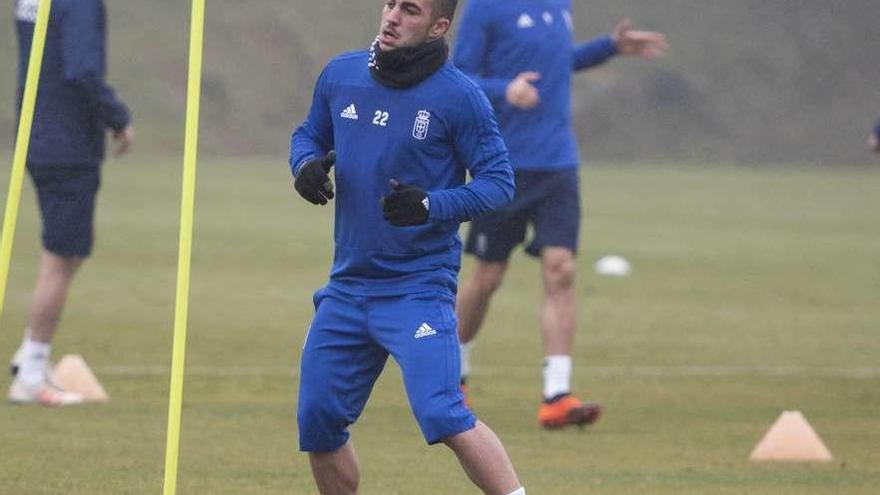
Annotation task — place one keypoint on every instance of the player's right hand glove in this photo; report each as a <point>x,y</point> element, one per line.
<point>313,182</point>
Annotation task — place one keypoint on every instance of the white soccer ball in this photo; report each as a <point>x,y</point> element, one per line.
<point>613,266</point>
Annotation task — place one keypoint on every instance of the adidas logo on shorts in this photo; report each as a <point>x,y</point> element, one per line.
<point>425,331</point>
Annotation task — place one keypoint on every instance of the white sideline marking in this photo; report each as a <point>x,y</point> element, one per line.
<point>864,373</point>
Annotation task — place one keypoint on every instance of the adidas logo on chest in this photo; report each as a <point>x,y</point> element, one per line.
<point>350,112</point>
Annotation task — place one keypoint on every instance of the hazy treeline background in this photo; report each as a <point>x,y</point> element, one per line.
<point>750,81</point>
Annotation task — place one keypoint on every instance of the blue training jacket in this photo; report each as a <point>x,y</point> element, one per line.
<point>498,40</point>
<point>74,105</point>
<point>430,135</point>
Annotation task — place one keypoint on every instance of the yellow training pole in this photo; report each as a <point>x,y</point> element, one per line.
<point>25,123</point>
<point>191,144</point>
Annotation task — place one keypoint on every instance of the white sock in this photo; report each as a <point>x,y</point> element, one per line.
<point>34,362</point>
<point>521,491</point>
<point>465,350</point>
<point>24,340</point>
<point>557,376</point>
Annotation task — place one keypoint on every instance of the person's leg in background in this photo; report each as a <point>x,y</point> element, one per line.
<point>491,240</point>
<point>66,196</point>
<point>32,361</point>
<point>474,297</point>
<point>557,227</point>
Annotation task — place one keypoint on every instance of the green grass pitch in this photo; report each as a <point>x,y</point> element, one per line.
<point>753,292</point>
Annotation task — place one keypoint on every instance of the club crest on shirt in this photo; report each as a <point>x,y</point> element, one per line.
<point>420,128</point>
<point>26,10</point>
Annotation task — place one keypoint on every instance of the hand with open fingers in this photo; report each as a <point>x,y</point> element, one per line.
<point>522,93</point>
<point>645,44</point>
<point>313,180</point>
<point>406,205</point>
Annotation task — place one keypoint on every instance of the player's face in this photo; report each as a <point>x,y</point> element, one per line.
<point>874,142</point>
<point>409,23</point>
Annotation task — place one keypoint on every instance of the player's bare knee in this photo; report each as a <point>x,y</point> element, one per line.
<point>489,276</point>
<point>489,283</point>
<point>559,273</point>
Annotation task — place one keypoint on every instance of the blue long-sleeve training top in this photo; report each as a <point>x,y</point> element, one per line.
<point>74,105</point>
<point>498,40</point>
<point>430,135</point>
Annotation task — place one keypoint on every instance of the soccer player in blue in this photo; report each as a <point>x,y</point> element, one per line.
<point>75,109</point>
<point>521,52</point>
<point>401,127</point>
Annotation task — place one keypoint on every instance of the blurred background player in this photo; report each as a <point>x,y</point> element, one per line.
<point>874,138</point>
<point>522,54</point>
<point>407,127</point>
<point>74,110</point>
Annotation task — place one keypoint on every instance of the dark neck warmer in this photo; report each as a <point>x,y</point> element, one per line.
<point>407,66</point>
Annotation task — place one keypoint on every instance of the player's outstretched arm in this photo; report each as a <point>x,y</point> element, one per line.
<point>623,40</point>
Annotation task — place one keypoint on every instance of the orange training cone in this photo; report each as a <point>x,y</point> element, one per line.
<point>791,438</point>
<point>74,375</point>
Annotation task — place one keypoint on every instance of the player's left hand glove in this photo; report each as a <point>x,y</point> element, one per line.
<point>406,205</point>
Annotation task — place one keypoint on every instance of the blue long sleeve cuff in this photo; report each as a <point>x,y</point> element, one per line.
<point>594,52</point>
<point>495,88</point>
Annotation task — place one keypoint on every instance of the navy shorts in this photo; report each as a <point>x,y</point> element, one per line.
<point>548,200</point>
<point>66,195</point>
<point>346,349</point>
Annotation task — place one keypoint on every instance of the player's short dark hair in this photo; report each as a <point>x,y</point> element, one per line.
<point>445,8</point>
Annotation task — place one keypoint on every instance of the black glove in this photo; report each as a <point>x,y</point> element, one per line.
<point>406,205</point>
<point>313,183</point>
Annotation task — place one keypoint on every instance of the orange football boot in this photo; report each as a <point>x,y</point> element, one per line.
<point>568,410</point>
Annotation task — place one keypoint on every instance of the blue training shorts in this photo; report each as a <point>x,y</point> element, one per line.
<point>549,200</point>
<point>346,349</point>
<point>66,195</point>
